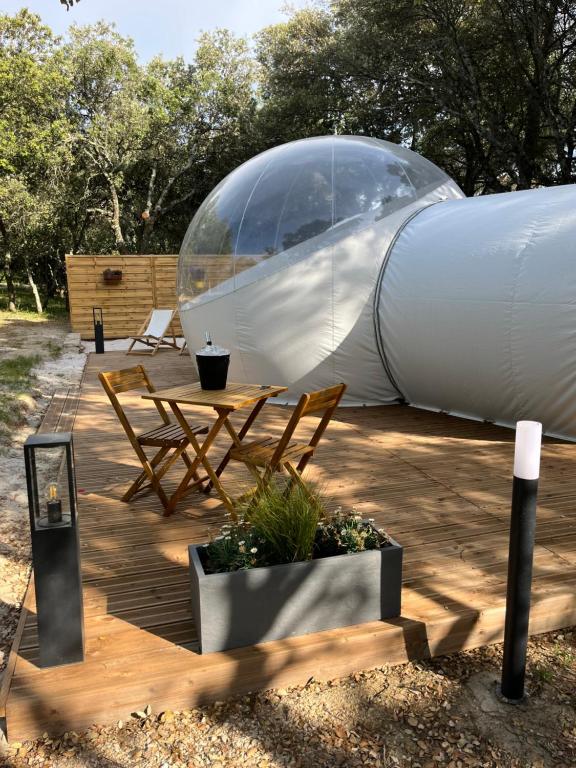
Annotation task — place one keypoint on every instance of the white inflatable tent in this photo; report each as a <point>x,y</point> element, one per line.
<point>351,259</point>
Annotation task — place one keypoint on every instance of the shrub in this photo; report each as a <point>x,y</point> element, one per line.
<point>284,525</point>
<point>287,520</point>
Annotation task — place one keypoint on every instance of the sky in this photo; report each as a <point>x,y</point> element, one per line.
<point>167,27</point>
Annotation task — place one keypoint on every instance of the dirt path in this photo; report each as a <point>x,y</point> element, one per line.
<point>30,336</point>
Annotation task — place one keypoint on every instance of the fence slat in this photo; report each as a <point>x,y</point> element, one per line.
<point>147,282</point>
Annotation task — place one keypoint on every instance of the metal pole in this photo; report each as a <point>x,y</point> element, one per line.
<point>520,557</point>
<point>98,330</point>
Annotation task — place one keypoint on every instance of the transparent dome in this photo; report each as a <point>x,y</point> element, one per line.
<point>292,200</point>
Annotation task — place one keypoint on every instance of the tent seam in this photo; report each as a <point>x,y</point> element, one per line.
<point>376,314</point>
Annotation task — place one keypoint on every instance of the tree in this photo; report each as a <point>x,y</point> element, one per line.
<point>34,141</point>
<point>302,84</point>
<point>198,114</point>
<point>430,73</point>
<point>110,118</point>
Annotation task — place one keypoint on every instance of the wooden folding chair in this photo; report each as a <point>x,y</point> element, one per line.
<point>266,456</point>
<point>153,333</point>
<point>169,438</point>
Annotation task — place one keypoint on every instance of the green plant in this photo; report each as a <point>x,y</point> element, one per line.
<point>15,381</point>
<point>54,309</point>
<point>542,674</point>
<point>54,349</point>
<point>16,372</point>
<point>564,654</point>
<point>287,520</point>
<point>12,410</point>
<point>237,547</point>
<point>288,524</point>
<point>345,533</point>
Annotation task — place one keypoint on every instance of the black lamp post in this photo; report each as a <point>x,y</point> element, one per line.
<point>55,550</point>
<point>520,557</point>
<point>98,316</point>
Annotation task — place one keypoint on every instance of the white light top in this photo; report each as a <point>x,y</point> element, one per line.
<point>527,450</point>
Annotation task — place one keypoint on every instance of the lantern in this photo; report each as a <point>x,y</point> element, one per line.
<point>51,485</point>
<point>98,317</point>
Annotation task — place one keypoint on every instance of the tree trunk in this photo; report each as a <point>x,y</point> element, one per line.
<point>120,242</point>
<point>146,234</point>
<point>10,287</point>
<point>35,291</point>
<point>8,268</point>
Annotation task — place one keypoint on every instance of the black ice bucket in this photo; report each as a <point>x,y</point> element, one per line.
<point>213,369</point>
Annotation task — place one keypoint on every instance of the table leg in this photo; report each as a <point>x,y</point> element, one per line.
<point>201,458</point>
<point>240,436</point>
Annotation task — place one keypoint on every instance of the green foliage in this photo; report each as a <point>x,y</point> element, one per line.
<point>12,411</point>
<point>286,519</point>
<point>484,88</point>
<point>237,547</point>
<point>100,153</point>
<point>344,533</point>
<point>288,524</point>
<point>16,372</point>
<point>15,381</point>
<point>25,307</point>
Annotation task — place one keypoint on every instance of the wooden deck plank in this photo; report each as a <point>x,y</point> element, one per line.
<point>439,484</point>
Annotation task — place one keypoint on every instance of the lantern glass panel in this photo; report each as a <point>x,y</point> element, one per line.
<point>50,476</point>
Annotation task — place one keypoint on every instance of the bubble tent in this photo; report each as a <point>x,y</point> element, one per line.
<point>345,258</point>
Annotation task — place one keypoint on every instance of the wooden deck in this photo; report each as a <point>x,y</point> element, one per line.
<point>440,485</point>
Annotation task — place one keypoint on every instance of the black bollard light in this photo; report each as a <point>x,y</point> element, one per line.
<point>520,557</point>
<point>55,549</point>
<point>98,330</point>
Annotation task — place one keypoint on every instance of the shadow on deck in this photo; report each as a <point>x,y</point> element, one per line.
<point>440,485</point>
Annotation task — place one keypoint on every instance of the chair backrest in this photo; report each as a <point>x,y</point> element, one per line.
<point>126,380</point>
<point>158,323</point>
<point>325,400</point>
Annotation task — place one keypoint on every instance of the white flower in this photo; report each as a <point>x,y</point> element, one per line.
<point>254,550</point>
<point>357,517</point>
<point>240,543</point>
<point>343,532</point>
<point>218,538</point>
<point>226,538</point>
<point>370,519</point>
<point>381,530</point>
<point>205,545</point>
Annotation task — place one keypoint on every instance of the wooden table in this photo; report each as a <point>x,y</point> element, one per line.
<point>224,402</point>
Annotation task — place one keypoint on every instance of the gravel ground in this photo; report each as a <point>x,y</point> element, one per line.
<point>424,715</point>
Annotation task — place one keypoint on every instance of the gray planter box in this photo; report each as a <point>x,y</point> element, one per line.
<point>243,608</point>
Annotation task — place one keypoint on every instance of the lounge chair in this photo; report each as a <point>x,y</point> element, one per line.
<point>153,333</point>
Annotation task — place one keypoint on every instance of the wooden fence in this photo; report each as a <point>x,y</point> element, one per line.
<point>147,282</point>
